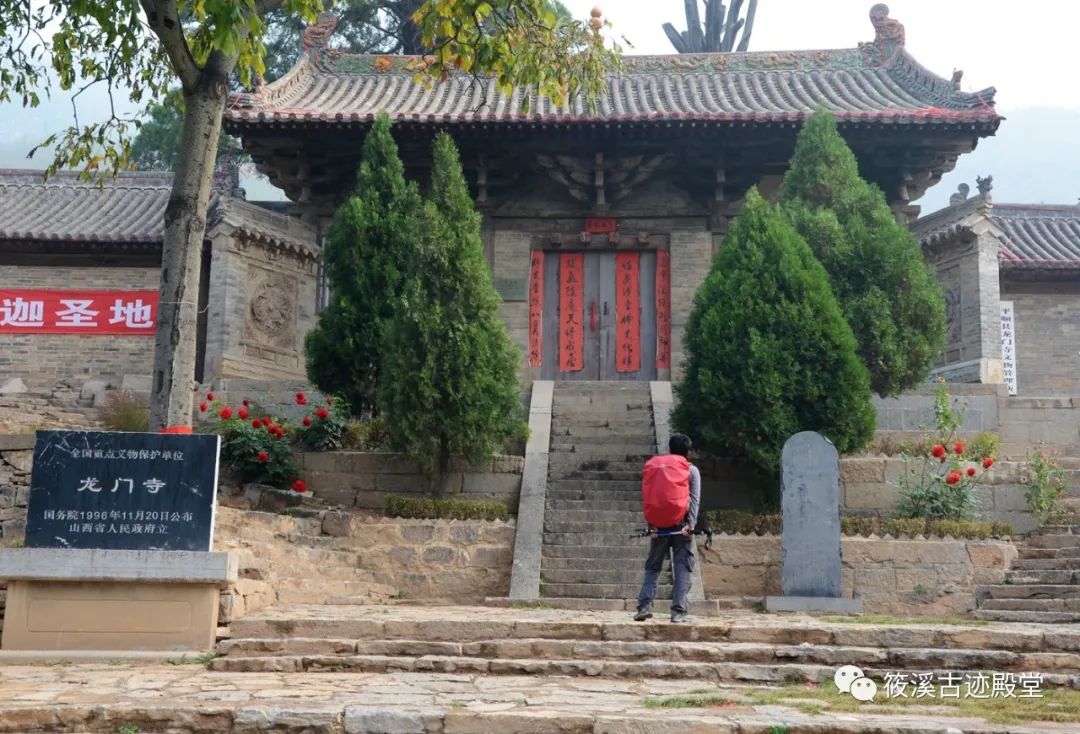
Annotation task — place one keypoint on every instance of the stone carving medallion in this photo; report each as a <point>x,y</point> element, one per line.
<point>271,310</point>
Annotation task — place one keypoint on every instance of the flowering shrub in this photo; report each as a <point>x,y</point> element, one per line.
<point>1046,482</point>
<point>940,484</point>
<point>325,427</point>
<point>255,450</point>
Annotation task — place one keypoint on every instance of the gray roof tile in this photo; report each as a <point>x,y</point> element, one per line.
<point>1038,236</point>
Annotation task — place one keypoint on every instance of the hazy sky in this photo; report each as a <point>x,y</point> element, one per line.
<point>1020,48</point>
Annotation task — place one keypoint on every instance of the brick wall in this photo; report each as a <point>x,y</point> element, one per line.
<point>1047,337</point>
<point>691,254</point>
<point>43,359</point>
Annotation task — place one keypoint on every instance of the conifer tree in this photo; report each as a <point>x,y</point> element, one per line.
<point>449,382</point>
<point>375,232</point>
<point>768,352</point>
<point>887,293</point>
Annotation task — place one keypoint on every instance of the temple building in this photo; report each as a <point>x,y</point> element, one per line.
<point>80,270</point>
<point>600,221</point>
<point>1011,276</point>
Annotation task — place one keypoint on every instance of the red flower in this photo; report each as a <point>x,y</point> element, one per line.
<point>958,449</point>
<point>246,402</point>
<point>210,396</point>
<point>225,413</point>
<point>987,462</point>
<point>299,486</point>
<point>953,478</point>
<point>971,471</point>
<point>256,424</point>
<point>301,398</point>
<point>242,414</point>
<point>266,421</point>
<point>307,420</point>
<point>322,413</point>
<point>938,451</point>
<point>203,407</point>
<point>263,457</point>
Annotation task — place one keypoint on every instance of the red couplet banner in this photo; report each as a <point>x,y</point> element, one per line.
<point>31,311</point>
<point>571,310</point>
<point>536,309</point>
<point>627,312</point>
<point>663,310</point>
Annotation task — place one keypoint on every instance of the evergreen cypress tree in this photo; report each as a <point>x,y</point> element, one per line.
<point>768,352</point>
<point>889,296</point>
<point>450,385</point>
<point>375,232</point>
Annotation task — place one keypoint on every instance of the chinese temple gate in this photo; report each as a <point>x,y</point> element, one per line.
<point>599,224</point>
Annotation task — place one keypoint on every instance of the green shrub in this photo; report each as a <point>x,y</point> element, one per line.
<point>372,235</point>
<point>981,446</point>
<point>431,508</point>
<point>368,435</point>
<point>887,293</point>
<point>125,411</point>
<point>1047,481</point>
<point>254,448</point>
<point>449,385</point>
<point>768,353</point>
<point>734,522</point>
<point>324,428</point>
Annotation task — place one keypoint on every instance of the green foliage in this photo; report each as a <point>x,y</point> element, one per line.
<point>449,382</point>
<point>889,296</point>
<point>368,435</point>
<point>734,522</point>
<point>768,353</point>
<point>982,445</point>
<point>325,427</point>
<point>125,411</point>
<point>157,144</point>
<point>251,453</point>
<point>431,508</point>
<point>1046,482</point>
<point>371,239</point>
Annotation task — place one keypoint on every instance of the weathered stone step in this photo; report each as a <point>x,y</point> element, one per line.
<point>1058,530</point>
<point>693,652</point>
<point>599,564</point>
<point>600,538</point>
<point>618,444</point>
<point>1056,540</point>
<point>699,608</point>
<point>591,428</point>
<point>1027,551</point>
<point>1046,564</point>
<point>774,673</point>
<point>605,528</point>
<point>587,503</point>
<point>1004,615</point>
<point>570,472</point>
<point>1031,591</point>
<point>632,549</point>
<point>1042,604</point>
<point>603,576</point>
<point>1045,576</point>
<point>593,485</point>
<point>599,591</point>
<point>559,516</point>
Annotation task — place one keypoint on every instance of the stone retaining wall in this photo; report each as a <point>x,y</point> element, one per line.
<point>16,458</point>
<point>361,479</point>
<point>903,577</point>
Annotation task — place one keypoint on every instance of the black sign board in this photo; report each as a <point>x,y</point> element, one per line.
<point>130,491</point>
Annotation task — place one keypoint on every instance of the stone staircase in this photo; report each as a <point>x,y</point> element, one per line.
<point>744,648</point>
<point>1043,584</point>
<point>601,434</point>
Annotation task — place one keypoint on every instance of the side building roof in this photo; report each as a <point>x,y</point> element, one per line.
<point>129,209</point>
<point>877,82</point>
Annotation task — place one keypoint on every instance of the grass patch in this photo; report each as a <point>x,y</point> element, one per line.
<point>885,619</point>
<point>687,702</point>
<point>430,508</point>
<point>1057,704</point>
<point>203,659</point>
<point>737,522</point>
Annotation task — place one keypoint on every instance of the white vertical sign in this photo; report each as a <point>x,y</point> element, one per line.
<point>1008,345</point>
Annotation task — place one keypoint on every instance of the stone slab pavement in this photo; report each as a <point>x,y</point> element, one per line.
<point>187,699</point>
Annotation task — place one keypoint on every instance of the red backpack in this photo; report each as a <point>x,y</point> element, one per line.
<point>665,490</point>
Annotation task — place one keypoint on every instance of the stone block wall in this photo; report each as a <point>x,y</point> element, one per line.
<point>16,459</point>
<point>362,479</point>
<point>916,577</point>
<point>43,359</point>
<point>1047,319</point>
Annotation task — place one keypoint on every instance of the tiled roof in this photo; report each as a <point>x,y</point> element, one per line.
<point>877,82</point>
<point>128,209</point>
<point>1038,236</point>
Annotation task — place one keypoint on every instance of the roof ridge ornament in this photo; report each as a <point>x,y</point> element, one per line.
<point>889,37</point>
<point>316,36</point>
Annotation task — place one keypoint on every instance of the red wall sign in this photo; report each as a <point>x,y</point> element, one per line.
<point>627,312</point>
<point>571,309</point>
<point>26,311</point>
<point>536,310</point>
<point>597,225</point>
<point>663,310</point>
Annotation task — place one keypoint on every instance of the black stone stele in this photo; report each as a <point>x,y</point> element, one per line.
<point>123,491</point>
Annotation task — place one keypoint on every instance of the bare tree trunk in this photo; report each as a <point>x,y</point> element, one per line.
<point>185,228</point>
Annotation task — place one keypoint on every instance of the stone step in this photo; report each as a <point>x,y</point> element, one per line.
<point>1058,530</point>
<point>618,445</point>
<point>1031,591</point>
<point>587,503</point>
<point>593,427</point>
<point>1045,564</point>
<point>559,516</point>
<point>1042,604</point>
<point>729,672</point>
<point>1046,576</point>
<point>1027,551</point>
<point>631,550</point>
<point>1002,615</point>
<point>570,472</point>
<point>603,576</point>
<point>1056,540</point>
<point>600,538</point>
<point>701,607</point>
<point>593,485</point>
<point>598,564</point>
<point>599,591</point>
<point>612,528</point>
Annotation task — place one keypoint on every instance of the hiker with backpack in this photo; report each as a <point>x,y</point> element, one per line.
<point>671,495</point>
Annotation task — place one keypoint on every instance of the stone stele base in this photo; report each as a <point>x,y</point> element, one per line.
<point>113,600</point>
<point>831,604</point>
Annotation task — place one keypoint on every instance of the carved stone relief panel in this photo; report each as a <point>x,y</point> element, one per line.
<point>271,309</point>
<point>950,284</point>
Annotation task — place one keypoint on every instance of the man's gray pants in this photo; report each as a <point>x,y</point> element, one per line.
<point>681,548</point>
